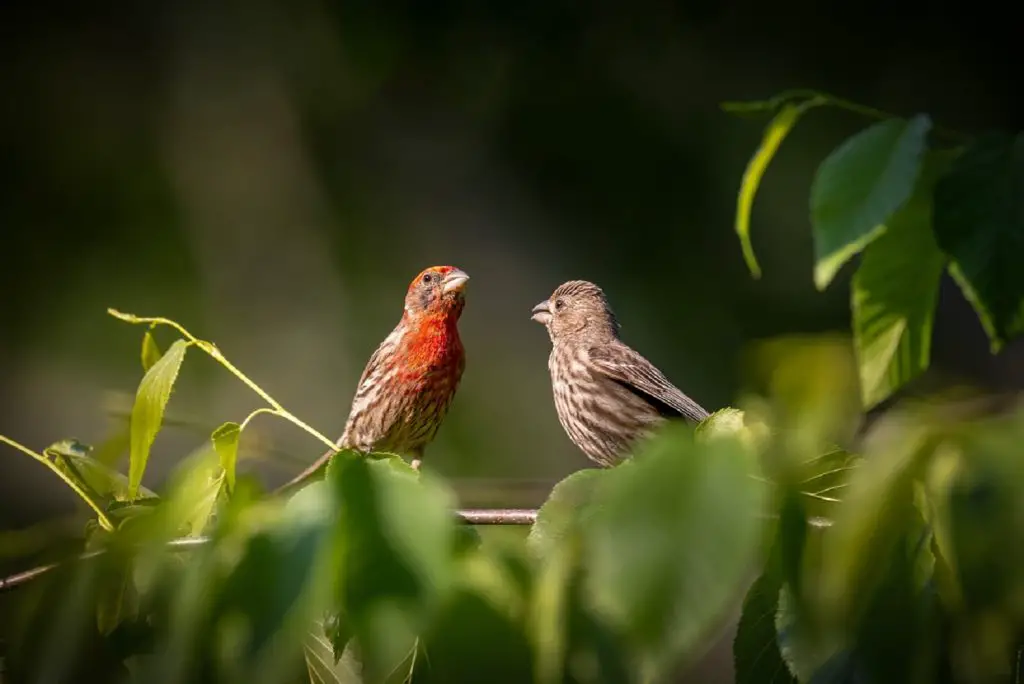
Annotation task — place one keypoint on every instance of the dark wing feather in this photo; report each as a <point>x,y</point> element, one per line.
<point>625,366</point>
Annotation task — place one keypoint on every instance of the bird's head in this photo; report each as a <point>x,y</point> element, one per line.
<point>437,290</point>
<point>577,309</point>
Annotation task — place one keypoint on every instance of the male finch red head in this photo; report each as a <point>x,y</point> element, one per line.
<point>607,396</point>
<point>410,380</point>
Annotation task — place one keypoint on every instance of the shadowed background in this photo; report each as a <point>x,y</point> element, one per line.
<point>273,175</point>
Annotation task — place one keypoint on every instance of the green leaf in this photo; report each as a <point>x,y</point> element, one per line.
<point>192,494</point>
<point>859,186</point>
<point>872,523</point>
<point>755,649</point>
<point>74,458</point>
<point>117,600</point>
<point>979,223</point>
<point>148,411</point>
<point>894,292</point>
<point>804,651</point>
<point>566,507</point>
<point>225,443</point>
<point>324,667</point>
<point>645,575</point>
<point>726,421</point>
<point>473,640</point>
<point>398,528</point>
<point>150,351</point>
<point>774,134</point>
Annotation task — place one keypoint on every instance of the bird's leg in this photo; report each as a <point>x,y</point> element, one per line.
<point>417,458</point>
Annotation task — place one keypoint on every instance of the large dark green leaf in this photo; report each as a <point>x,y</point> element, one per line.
<point>859,186</point>
<point>979,223</point>
<point>148,411</point>
<point>564,510</point>
<point>894,293</point>
<point>676,533</point>
<point>398,531</point>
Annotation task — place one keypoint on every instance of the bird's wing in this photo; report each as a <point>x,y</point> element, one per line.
<point>372,380</point>
<point>628,368</point>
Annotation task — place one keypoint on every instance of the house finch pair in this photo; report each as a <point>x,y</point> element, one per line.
<point>606,394</point>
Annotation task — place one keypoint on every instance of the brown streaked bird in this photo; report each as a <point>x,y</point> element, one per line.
<point>410,380</point>
<point>606,394</point>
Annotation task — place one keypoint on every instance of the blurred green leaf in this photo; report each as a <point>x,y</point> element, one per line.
<point>192,493</point>
<point>147,412</point>
<point>894,292</point>
<point>812,398</point>
<point>979,223</point>
<point>225,442</point>
<point>398,532</point>
<point>643,574</point>
<point>563,511</point>
<point>755,649</point>
<point>324,665</point>
<point>874,520</point>
<point>551,608</point>
<point>859,186</point>
<point>117,600</point>
<point>804,649</point>
<point>150,351</point>
<point>727,421</point>
<point>774,134</point>
<point>472,640</point>
<point>109,451</point>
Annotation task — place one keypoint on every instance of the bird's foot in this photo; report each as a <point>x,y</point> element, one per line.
<point>416,464</point>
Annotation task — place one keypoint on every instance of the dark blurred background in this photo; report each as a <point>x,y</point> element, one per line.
<point>272,175</point>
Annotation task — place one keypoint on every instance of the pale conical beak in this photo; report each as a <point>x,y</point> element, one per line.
<point>455,281</point>
<point>542,313</point>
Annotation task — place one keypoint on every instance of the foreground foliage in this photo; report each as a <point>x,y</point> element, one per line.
<point>895,563</point>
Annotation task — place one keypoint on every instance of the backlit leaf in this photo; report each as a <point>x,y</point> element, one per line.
<point>859,186</point>
<point>150,351</point>
<point>148,411</point>
<point>894,292</point>
<point>225,443</point>
<point>774,134</point>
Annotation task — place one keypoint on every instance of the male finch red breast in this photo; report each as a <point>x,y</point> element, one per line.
<point>606,394</point>
<point>410,380</point>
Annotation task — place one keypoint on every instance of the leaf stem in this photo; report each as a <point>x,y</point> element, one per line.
<point>785,96</point>
<point>211,349</point>
<point>103,519</point>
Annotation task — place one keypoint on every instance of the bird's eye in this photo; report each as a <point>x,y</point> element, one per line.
<point>559,304</point>
<point>428,278</point>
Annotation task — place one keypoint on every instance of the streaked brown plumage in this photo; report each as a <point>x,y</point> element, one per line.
<point>409,382</point>
<point>606,394</point>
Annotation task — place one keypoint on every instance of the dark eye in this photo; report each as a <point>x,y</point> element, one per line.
<point>559,304</point>
<point>428,278</point>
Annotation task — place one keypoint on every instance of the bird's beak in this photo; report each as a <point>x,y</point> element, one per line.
<point>455,281</point>
<point>542,313</point>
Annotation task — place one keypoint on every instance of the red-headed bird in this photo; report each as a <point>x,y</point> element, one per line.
<point>409,382</point>
<point>606,394</point>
